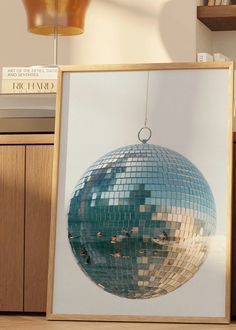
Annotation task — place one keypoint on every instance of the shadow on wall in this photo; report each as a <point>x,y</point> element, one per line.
<point>120,31</point>
<point>176,26</point>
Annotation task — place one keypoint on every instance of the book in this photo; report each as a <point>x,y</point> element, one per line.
<point>204,57</point>
<point>32,72</point>
<point>218,2</point>
<point>211,2</point>
<point>17,86</point>
<point>218,57</point>
<point>29,79</point>
<point>225,2</point>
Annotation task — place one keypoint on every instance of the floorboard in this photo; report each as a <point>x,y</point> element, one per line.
<point>38,322</point>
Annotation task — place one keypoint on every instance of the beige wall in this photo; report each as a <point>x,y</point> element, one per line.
<point>117,31</point>
<point>18,47</point>
<point>134,32</point>
<point>225,42</point>
<point>204,42</point>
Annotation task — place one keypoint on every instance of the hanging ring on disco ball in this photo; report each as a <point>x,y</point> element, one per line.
<point>145,140</point>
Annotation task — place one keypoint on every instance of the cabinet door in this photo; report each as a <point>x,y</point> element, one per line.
<point>37,224</point>
<point>12,171</point>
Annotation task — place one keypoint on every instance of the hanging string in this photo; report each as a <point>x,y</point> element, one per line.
<point>145,128</point>
<point>147,92</point>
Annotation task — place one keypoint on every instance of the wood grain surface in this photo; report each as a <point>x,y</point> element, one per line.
<point>12,171</point>
<point>38,323</point>
<point>37,225</point>
<point>26,139</point>
<point>233,267</point>
<point>218,18</point>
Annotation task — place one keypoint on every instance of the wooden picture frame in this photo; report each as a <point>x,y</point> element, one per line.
<point>147,247</point>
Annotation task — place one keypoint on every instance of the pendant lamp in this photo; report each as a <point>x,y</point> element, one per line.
<point>61,17</point>
<point>56,18</point>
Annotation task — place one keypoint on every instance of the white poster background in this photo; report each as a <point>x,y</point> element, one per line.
<point>187,112</point>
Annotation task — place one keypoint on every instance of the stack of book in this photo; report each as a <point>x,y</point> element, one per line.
<point>219,2</point>
<point>216,57</point>
<point>32,79</point>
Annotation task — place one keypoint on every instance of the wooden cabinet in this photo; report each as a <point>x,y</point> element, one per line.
<point>25,197</point>
<point>38,181</point>
<point>12,169</point>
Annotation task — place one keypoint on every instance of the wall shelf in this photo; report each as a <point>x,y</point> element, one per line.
<point>218,18</point>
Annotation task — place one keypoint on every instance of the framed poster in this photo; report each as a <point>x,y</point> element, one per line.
<point>141,205</point>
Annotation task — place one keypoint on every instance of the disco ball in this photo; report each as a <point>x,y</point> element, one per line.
<point>140,220</point>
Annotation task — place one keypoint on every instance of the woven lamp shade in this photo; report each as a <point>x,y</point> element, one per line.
<point>61,17</point>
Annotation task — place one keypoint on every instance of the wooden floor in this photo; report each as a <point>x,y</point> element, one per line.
<point>38,323</point>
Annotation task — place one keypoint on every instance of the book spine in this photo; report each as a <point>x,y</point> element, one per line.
<point>17,86</point>
<point>211,2</point>
<point>28,73</point>
<point>218,2</point>
<point>204,57</point>
<point>218,57</point>
<point>225,2</point>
